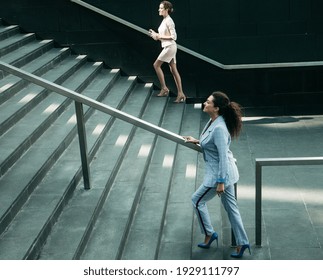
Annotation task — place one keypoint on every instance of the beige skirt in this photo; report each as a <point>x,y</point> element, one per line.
<point>168,53</point>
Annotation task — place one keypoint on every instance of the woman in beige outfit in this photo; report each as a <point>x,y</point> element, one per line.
<point>167,35</point>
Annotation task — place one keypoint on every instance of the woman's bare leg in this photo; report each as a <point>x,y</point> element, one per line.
<point>178,81</point>
<point>160,75</point>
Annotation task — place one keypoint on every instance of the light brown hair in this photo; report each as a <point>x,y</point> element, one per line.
<point>167,6</point>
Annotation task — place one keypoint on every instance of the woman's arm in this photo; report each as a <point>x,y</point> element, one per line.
<point>171,29</point>
<point>220,138</point>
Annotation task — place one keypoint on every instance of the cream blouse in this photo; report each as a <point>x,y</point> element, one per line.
<point>167,28</point>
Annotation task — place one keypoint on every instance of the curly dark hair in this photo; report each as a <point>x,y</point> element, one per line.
<point>231,112</point>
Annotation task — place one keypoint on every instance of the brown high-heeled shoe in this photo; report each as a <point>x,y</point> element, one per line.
<point>163,92</point>
<point>180,99</point>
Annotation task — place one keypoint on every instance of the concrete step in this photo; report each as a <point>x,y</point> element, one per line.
<point>42,63</point>
<point>25,132</point>
<point>14,42</point>
<point>8,31</point>
<point>26,53</point>
<point>23,101</point>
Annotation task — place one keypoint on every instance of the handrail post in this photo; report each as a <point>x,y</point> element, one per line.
<point>83,144</point>
<point>258,203</point>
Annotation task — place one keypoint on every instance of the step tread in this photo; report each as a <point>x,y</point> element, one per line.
<point>6,31</point>
<point>15,58</point>
<point>16,39</point>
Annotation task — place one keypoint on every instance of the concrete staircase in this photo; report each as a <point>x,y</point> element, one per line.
<point>139,204</point>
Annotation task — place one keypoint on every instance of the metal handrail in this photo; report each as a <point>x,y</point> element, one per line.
<point>260,162</point>
<point>198,55</point>
<point>80,100</point>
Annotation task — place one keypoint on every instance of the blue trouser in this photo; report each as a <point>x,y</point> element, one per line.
<point>204,194</point>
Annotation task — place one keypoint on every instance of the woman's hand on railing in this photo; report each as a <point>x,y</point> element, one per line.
<point>190,139</point>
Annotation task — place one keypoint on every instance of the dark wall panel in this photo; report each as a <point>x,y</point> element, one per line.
<point>233,21</point>
<point>273,10</point>
<point>230,31</point>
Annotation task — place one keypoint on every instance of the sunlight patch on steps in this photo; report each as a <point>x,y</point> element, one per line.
<point>51,108</point>
<point>148,85</point>
<point>5,87</point>
<point>190,171</point>
<point>98,129</point>
<point>45,41</point>
<point>72,119</point>
<point>168,161</point>
<point>121,141</point>
<point>144,150</point>
<point>81,56</point>
<point>27,98</point>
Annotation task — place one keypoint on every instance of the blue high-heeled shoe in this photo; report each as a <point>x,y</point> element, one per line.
<point>242,249</point>
<point>214,236</point>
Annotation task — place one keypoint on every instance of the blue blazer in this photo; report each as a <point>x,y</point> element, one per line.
<point>220,166</point>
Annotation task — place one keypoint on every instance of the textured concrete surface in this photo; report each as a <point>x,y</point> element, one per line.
<point>292,204</point>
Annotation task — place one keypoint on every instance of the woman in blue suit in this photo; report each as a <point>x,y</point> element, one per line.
<point>221,171</point>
